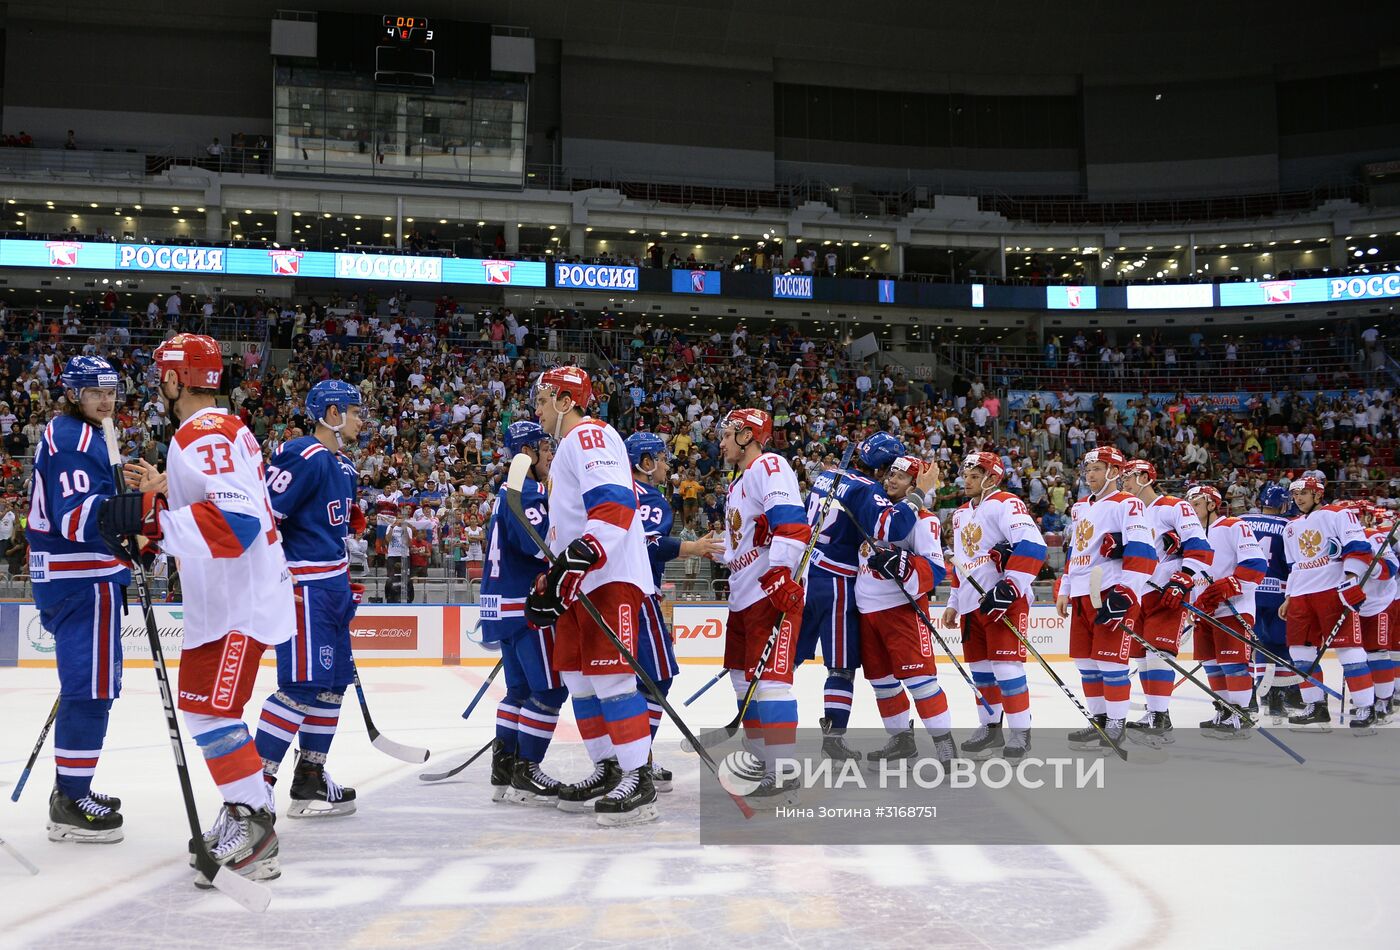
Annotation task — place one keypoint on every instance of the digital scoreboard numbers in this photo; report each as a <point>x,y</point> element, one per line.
<point>408,30</point>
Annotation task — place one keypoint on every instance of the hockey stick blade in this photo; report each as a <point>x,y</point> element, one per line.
<point>1096,587</point>
<point>415,755</point>
<point>439,776</point>
<point>13,852</point>
<point>708,740</point>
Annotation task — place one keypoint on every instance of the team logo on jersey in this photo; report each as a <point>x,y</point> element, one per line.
<point>1310,542</point>
<point>204,423</point>
<point>327,657</point>
<point>1083,533</point>
<point>866,550</point>
<point>970,536</point>
<point>736,527</point>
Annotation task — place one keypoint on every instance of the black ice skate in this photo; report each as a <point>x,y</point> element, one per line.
<point>580,796</point>
<point>1273,706</point>
<point>773,794</point>
<point>945,749</point>
<point>86,821</point>
<point>1362,721</point>
<point>1087,739</point>
<point>502,768</point>
<point>1231,726</point>
<point>316,795</point>
<point>631,800</point>
<point>1293,698</point>
<point>1313,718</point>
<point>1157,725</point>
<point>1210,726</point>
<point>531,785</point>
<point>660,778</point>
<point>834,743</point>
<point>1383,710</point>
<point>1018,744</point>
<point>900,747</point>
<point>247,844</point>
<point>1115,731</point>
<point>985,741</point>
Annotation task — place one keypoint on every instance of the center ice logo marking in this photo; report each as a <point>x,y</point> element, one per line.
<point>1310,542</point>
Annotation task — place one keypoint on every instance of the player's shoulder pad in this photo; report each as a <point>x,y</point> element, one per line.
<point>1165,500</point>
<point>1001,495</point>
<point>223,424</point>
<point>1333,506</point>
<point>965,506</point>
<point>1121,496</point>
<point>1228,521</point>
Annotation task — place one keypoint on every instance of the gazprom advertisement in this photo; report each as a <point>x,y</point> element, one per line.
<point>792,286</point>
<point>595,276</point>
<point>695,282</point>
<point>270,262</point>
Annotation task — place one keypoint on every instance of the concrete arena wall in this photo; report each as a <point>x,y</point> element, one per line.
<point>433,635</point>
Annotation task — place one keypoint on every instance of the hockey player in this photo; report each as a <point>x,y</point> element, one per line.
<point>1328,553</point>
<point>78,588</point>
<point>1268,525</point>
<point>766,535</point>
<point>829,616</point>
<point>1237,567</point>
<point>996,543</point>
<point>656,650</point>
<point>600,550</point>
<point>1183,554</point>
<point>529,711</point>
<point>312,485</point>
<point>896,647</point>
<point>237,589</point>
<point>1109,531</point>
<point>1376,633</point>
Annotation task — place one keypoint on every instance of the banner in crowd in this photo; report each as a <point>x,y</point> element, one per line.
<point>1235,402</point>
<point>435,634</point>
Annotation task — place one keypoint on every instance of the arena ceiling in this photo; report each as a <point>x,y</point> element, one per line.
<point>1102,41</point>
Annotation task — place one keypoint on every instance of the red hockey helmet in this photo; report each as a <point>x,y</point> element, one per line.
<point>568,381</point>
<point>988,462</point>
<point>1205,491</point>
<point>1308,483</point>
<point>756,421</point>
<point>195,360</point>
<point>908,463</point>
<point>1107,454</point>
<point>1141,467</point>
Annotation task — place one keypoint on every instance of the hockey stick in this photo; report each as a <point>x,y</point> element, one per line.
<point>704,689</point>
<point>1142,754</point>
<point>727,731</point>
<point>397,750</point>
<point>14,853</point>
<point>1286,664</point>
<point>1346,611</point>
<point>439,776</point>
<point>28,766</point>
<point>515,480</point>
<point>495,671</point>
<point>928,622</point>
<point>249,894</point>
<point>1244,716</point>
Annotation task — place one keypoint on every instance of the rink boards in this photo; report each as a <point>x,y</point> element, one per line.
<point>437,634</point>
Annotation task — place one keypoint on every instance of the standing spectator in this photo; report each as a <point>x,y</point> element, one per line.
<point>70,143</point>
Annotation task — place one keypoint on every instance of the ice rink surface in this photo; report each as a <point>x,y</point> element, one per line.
<point>429,865</point>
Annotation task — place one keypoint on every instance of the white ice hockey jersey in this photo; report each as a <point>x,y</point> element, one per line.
<point>765,526</point>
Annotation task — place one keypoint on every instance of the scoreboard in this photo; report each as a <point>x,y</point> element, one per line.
<point>403,48</point>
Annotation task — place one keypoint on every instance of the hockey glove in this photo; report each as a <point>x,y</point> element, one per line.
<point>892,564</point>
<point>999,600</point>
<point>1351,594</point>
<point>1000,554</point>
<point>1111,546</point>
<point>782,591</point>
<point>762,534</point>
<point>127,515</point>
<point>558,588</point>
<point>357,596</point>
<point>1217,593</point>
<point>1117,602</point>
<point>541,608</point>
<point>1176,590</point>
<point>1171,544</point>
